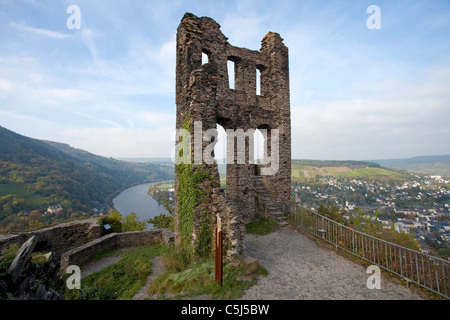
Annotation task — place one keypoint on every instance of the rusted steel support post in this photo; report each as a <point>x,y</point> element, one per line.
<point>219,253</point>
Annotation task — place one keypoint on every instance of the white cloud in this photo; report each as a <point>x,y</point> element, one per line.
<point>25,29</point>
<point>244,30</point>
<point>65,95</point>
<point>122,142</point>
<point>144,68</point>
<point>5,85</point>
<point>403,120</point>
<point>155,119</point>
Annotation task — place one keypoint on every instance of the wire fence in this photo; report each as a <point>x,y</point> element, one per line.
<point>422,269</point>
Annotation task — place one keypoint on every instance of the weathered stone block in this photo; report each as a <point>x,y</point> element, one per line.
<point>22,259</point>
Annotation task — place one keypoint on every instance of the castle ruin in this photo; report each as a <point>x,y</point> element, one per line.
<point>204,95</point>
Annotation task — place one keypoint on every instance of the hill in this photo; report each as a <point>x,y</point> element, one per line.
<point>307,169</point>
<point>431,165</point>
<point>150,160</point>
<point>35,174</point>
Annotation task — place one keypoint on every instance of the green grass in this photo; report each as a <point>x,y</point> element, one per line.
<point>113,252</point>
<point>261,227</point>
<point>199,279</point>
<point>223,182</point>
<point>300,172</point>
<point>368,172</point>
<point>32,200</point>
<point>7,255</point>
<point>165,186</point>
<point>119,281</point>
<point>35,200</point>
<point>13,188</point>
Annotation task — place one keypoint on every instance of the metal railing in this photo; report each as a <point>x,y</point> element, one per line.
<point>422,269</point>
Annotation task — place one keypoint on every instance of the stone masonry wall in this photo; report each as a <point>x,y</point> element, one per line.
<point>81,255</point>
<point>203,93</point>
<point>59,238</point>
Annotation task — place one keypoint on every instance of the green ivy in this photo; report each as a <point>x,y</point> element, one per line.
<point>205,237</point>
<point>189,196</point>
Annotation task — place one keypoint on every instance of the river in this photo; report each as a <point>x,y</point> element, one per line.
<point>136,199</point>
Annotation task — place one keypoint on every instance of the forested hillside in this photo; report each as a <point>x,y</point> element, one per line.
<point>35,174</point>
<point>430,165</point>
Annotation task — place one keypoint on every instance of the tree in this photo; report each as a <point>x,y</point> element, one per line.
<point>162,221</point>
<point>332,212</point>
<point>115,215</point>
<point>35,215</point>
<point>113,219</point>
<point>132,223</point>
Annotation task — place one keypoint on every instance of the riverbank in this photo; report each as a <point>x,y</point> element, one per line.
<point>136,199</point>
<point>163,192</point>
<point>109,201</point>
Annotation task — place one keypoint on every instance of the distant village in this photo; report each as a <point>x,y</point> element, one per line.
<point>420,207</point>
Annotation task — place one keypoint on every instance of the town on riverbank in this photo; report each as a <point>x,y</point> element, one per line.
<point>419,206</point>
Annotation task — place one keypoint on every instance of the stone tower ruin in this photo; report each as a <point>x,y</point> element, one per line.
<point>204,96</point>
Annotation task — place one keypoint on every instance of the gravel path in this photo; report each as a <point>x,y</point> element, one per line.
<point>299,269</point>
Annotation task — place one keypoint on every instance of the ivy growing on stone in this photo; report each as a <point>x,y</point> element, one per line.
<point>189,197</point>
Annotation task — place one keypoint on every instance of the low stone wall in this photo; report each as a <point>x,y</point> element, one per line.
<point>59,238</point>
<point>82,254</point>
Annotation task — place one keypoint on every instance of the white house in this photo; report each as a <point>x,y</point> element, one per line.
<point>55,209</point>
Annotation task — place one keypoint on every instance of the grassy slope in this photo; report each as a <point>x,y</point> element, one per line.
<point>31,198</point>
<point>301,171</point>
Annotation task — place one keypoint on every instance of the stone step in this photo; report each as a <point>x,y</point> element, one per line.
<point>276,213</point>
<point>271,207</point>
<point>283,224</point>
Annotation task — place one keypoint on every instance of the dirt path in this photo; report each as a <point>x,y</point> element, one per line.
<point>157,269</point>
<point>97,265</point>
<point>302,270</point>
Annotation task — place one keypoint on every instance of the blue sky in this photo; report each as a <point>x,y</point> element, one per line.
<point>109,87</point>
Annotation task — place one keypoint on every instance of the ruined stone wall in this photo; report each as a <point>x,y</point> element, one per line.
<point>59,238</point>
<point>203,93</point>
<point>82,254</point>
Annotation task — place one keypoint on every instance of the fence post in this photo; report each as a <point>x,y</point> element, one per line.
<point>219,252</point>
